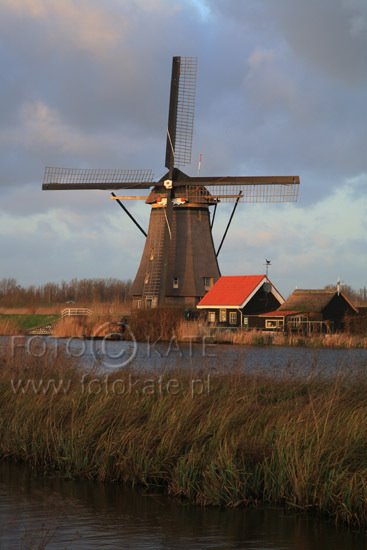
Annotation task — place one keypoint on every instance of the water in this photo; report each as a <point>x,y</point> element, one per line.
<point>57,514</point>
<point>274,360</point>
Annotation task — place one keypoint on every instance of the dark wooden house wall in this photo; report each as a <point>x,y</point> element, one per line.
<point>209,312</point>
<point>336,310</point>
<point>262,302</point>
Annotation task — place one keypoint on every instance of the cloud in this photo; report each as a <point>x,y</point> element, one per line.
<point>330,35</point>
<point>42,127</point>
<point>269,84</point>
<point>83,24</point>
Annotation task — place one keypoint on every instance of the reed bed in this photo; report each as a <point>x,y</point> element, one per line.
<point>42,310</point>
<point>266,338</point>
<point>209,436</point>
<point>8,328</point>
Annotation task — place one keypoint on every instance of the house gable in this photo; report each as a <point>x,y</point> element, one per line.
<point>233,299</point>
<point>237,291</point>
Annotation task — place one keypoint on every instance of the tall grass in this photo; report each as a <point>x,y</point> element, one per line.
<point>264,338</point>
<point>211,437</point>
<point>8,327</point>
<point>86,327</point>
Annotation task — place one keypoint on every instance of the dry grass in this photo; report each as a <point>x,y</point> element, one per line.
<point>263,338</point>
<point>113,309</point>
<point>190,330</point>
<point>98,308</point>
<point>84,327</point>
<point>8,328</point>
<point>49,310</point>
<point>242,439</point>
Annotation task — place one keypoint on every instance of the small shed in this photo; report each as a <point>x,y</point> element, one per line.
<point>315,311</point>
<point>235,300</point>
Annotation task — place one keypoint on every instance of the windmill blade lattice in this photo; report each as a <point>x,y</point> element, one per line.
<point>90,178</point>
<point>249,189</point>
<point>181,112</point>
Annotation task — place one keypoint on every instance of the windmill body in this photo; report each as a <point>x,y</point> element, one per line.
<point>179,262</point>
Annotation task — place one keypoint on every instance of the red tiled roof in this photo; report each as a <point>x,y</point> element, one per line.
<point>231,290</point>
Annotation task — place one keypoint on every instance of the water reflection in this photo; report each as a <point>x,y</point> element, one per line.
<point>55,513</point>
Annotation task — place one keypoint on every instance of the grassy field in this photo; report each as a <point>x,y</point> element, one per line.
<point>22,322</point>
<point>209,436</point>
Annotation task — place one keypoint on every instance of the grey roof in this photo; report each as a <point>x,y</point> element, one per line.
<point>311,300</point>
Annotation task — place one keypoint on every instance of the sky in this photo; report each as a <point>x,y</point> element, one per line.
<point>281,90</point>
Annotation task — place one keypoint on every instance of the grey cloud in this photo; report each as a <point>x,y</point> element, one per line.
<point>330,35</point>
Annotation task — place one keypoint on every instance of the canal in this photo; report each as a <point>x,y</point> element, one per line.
<point>54,513</point>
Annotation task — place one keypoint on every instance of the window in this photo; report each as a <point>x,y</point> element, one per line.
<point>222,315</point>
<point>274,324</point>
<point>245,322</point>
<point>146,280</point>
<point>208,282</point>
<point>138,304</point>
<point>175,282</point>
<point>149,302</point>
<point>151,257</point>
<point>233,317</point>
<point>211,316</point>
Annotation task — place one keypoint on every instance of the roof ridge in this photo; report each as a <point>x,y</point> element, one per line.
<point>316,290</point>
<point>251,275</point>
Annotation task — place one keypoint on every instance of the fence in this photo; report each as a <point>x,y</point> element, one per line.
<point>76,312</point>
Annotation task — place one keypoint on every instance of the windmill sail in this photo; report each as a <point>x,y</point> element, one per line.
<point>76,178</point>
<point>251,189</point>
<point>181,112</point>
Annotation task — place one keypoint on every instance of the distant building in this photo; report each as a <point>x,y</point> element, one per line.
<point>309,311</point>
<point>234,300</point>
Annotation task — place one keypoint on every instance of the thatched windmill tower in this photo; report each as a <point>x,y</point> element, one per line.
<point>179,262</point>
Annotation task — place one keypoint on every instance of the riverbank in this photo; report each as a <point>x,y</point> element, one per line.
<point>208,436</point>
<point>168,326</point>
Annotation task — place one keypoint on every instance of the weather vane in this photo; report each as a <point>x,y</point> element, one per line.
<point>267,264</point>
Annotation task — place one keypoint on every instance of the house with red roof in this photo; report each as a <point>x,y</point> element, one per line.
<point>234,300</point>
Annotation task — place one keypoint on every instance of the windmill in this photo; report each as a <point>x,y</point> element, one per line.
<point>179,261</point>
